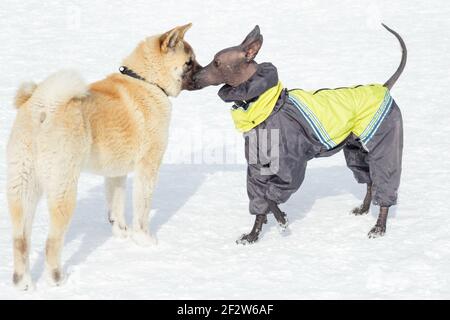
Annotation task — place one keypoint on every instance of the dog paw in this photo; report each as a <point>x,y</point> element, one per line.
<point>119,231</point>
<point>55,277</point>
<point>376,232</point>
<point>283,226</point>
<point>359,211</point>
<point>247,239</point>
<point>143,238</point>
<point>23,282</point>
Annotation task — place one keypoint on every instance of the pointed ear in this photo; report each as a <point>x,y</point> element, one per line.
<point>252,35</point>
<point>169,39</point>
<point>252,43</point>
<point>183,30</point>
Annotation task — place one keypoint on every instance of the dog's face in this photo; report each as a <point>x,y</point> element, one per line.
<point>230,65</point>
<point>190,68</point>
<point>166,60</point>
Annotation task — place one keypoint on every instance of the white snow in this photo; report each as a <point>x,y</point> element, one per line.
<point>200,207</point>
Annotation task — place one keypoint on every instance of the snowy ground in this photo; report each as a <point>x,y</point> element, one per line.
<point>200,206</point>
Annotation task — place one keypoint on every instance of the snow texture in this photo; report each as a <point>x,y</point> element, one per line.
<point>200,207</point>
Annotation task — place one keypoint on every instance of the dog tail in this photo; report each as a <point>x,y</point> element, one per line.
<point>58,89</point>
<point>24,93</point>
<point>393,79</point>
<point>55,91</point>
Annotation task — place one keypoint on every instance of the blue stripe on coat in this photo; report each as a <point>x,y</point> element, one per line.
<point>316,130</point>
<point>378,123</point>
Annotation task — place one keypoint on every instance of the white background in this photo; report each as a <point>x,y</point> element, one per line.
<point>200,206</point>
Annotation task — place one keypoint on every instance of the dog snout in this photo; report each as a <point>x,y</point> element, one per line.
<point>188,77</point>
<point>197,67</point>
<point>196,79</point>
<point>201,79</point>
<point>197,74</point>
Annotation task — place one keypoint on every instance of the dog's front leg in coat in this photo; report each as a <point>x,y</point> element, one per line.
<point>276,171</point>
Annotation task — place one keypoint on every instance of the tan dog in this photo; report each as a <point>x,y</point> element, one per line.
<point>113,127</point>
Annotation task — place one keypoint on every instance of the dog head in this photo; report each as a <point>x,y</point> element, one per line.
<point>166,60</point>
<point>232,65</point>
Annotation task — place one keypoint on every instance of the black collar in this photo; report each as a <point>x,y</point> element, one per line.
<point>128,72</point>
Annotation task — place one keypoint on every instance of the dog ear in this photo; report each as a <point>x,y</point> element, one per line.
<point>252,35</point>
<point>252,43</point>
<point>169,39</point>
<point>183,30</point>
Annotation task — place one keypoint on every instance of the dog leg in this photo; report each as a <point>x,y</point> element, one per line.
<point>380,227</point>
<point>253,236</point>
<point>21,246</point>
<point>115,197</point>
<point>22,213</point>
<point>280,216</point>
<point>23,193</point>
<point>365,206</point>
<point>60,182</point>
<point>143,186</point>
<point>61,204</point>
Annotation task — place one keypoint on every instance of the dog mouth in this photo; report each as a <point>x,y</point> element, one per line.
<point>189,80</point>
<point>188,77</point>
<point>200,81</point>
<point>188,83</point>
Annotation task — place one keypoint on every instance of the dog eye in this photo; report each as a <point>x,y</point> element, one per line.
<point>216,63</point>
<point>189,63</point>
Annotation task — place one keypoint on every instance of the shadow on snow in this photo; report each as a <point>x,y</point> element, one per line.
<point>90,221</point>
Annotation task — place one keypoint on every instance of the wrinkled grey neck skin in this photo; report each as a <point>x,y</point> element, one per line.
<point>265,77</point>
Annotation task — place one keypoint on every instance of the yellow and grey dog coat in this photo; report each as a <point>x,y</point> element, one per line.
<point>333,114</point>
<point>289,128</point>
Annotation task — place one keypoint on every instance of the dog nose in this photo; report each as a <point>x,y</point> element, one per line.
<point>195,78</point>
<point>196,83</point>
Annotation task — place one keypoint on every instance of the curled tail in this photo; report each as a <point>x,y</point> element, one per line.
<point>24,93</point>
<point>393,79</point>
<point>55,91</point>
